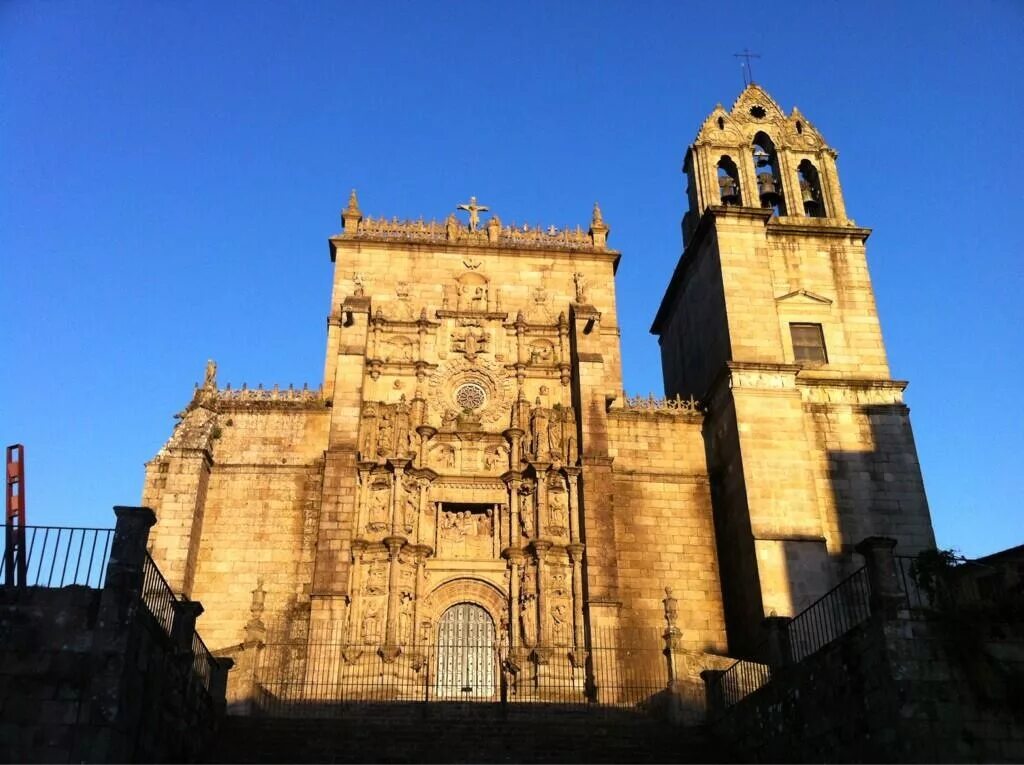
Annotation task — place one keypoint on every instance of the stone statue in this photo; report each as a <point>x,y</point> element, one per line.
<point>526,509</point>
<point>210,380</point>
<point>474,211</point>
<point>528,617</point>
<point>581,287</point>
<point>559,618</point>
<point>411,504</point>
<point>385,436</point>
<point>424,632</point>
<point>357,285</point>
<point>371,626</point>
<point>379,508</point>
<point>555,436</point>
<point>558,509</point>
<point>539,430</point>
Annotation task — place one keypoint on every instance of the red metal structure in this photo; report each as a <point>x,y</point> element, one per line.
<point>15,562</point>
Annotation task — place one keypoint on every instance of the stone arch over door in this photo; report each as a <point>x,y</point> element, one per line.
<point>469,590</point>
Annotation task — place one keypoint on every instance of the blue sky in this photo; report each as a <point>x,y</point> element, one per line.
<point>170,171</point>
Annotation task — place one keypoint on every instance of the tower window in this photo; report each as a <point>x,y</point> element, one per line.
<point>808,344</point>
<point>728,182</point>
<point>721,124</point>
<point>810,190</point>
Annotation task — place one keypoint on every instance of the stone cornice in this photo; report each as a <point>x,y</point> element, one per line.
<point>344,241</point>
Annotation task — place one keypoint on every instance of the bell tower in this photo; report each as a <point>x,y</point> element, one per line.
<point>770,320</point>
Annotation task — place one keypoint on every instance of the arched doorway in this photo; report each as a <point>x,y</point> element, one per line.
<point>466,656</point>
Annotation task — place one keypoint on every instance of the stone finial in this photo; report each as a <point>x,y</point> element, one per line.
<point>353,204</point>
<point>351,216</point>
<point>598,228</point>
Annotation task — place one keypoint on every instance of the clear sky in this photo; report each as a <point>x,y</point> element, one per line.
<point>170,171</point>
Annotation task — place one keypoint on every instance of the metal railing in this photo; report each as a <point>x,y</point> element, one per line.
<point>157,596</point>
<point>834,614</point>
<point>321,674</point>
<point>55,556</point>
<point>741,679</point>
<point>202,661</point>
<point>931,586</point>
<point>829,617</point>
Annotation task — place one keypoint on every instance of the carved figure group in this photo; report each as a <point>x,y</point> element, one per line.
<point>459,525</point>
<point>552,433</point>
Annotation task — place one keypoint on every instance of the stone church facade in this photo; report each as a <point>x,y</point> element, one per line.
<point>472,446</point>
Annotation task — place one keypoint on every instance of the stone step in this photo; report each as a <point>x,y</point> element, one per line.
<point>445,737</point>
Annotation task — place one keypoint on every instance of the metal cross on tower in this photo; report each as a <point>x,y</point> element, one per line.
<point>748,71</point>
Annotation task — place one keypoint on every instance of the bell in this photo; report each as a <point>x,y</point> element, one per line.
<point>729,191</point>
<point>812,205</point>
<point>766,184</point>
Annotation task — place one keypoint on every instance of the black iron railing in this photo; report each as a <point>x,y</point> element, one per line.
<point>157,596</point>
<point>831,616</point>
<point>322,674</point>
<point>202,661</point>
<point>834,614</point>
<point>54,556</point>
<point>741,679</point>
<point>936,581</point>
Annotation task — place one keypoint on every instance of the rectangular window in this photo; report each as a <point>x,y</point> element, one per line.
<point>808,344</point>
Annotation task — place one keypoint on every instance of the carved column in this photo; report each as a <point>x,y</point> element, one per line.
<point>515,563</point>
<point>541,546</point>
<point>426,433</point>
<point>575,551</point>
<point>573,474</point>
<point>520,338</point>
<point>355,588</point>
<point>540,519</point>
<point>376,324</point>
<point>513,520</point>
<point>514,436</point>
<point>391,648</point>
<point>397,495</point>
<point>362,497</point>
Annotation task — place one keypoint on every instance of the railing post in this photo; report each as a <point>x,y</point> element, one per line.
<point>183,625</point>
<point>886,594</point>
<point>219,681</point>
<point>128,549</point>
<point>780,651</point>
<point>714,698</point>
<point>116,643</point>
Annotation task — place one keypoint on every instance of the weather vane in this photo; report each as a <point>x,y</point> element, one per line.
<point>748,71</point>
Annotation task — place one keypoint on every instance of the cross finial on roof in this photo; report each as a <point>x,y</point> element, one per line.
<point>748,72</point>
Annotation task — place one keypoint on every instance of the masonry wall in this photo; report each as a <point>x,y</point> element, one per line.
<point>866,472</point>
<point>664,533</point>
<point>896,690</point>
<point>59,700</point>
<point>256,524</point>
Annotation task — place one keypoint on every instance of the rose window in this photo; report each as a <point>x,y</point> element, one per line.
<point>470,396</point>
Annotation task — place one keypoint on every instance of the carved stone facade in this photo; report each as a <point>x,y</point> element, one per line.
<point>471,441</point>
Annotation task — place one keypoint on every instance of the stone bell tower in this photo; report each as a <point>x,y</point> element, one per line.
<point>770,319</point>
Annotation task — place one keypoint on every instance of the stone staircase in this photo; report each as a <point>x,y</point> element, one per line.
<point>479,733</point>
